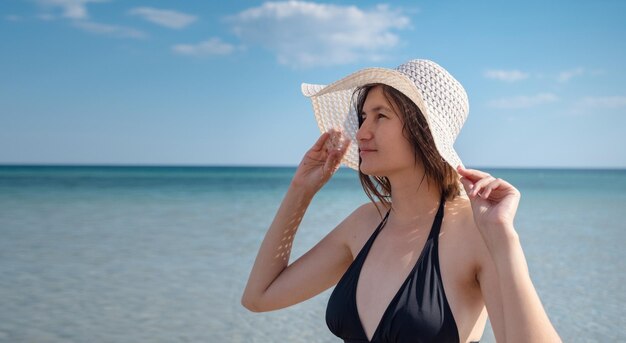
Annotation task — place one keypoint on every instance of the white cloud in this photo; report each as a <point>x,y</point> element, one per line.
<point>564,76</point>
<point>46,16</point>
<point>76,12</point>
<point>506,75</point>
<point>74,9</point>
<point>167,18</point>
<point>603,101</point>
<point>213,46</point>
<point>567,75</point>
<point>523,101</point>
<point>13,17</point>
<point>306,34</point>
<point>111,30</point>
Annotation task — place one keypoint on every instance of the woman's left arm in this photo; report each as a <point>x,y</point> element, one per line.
<point>494,204</point>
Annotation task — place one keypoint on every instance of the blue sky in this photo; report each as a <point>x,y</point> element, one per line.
<point>218,82</point>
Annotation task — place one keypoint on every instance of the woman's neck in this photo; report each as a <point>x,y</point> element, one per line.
<point>413,197</point>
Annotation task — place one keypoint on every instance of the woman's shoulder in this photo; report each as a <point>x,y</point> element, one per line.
<point>364,215</point>
<point>459,210</point>
<point>459,220</point>
<point>462,231</point>
<point>358,226</point>
<point>368,213</point>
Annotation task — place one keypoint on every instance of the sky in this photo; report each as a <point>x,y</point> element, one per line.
<point>150,82</point>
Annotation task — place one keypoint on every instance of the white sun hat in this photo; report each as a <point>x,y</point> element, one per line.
<point>439,96</point>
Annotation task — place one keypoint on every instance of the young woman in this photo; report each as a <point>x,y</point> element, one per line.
<point>433,252</point>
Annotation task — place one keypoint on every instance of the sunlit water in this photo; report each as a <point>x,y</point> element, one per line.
<point>138,254</point>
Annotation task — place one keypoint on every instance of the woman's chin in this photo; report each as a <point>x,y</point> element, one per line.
<point>369,171</point>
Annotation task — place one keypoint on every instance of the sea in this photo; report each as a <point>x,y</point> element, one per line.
<point>163,253</point>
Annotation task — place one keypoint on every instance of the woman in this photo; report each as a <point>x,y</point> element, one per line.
<point>433,253</point>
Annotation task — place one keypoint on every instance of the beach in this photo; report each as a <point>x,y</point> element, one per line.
<point>162,254</point>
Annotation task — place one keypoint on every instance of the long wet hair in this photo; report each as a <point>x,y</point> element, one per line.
<point>415,129</point>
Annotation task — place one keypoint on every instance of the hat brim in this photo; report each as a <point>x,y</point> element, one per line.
<point>334,109</point>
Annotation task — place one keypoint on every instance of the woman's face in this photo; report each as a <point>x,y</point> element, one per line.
<point>382,146</point>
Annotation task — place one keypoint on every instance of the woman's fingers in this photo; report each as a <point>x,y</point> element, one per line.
<point>478,182</point>
<point>320,151</point>
<point>329,140</point>
<point>490,187</point>
<point>482,183</point>
<point>472,174</point>
<point>335,140</point>
<point>487,186</point>
<point>475,180</point>
<point>332,163</point>
<point>336,154</point>
<point>320,142</point>
<point>467,184</point>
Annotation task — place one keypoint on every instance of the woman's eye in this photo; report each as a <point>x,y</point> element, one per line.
<point>380,115</point>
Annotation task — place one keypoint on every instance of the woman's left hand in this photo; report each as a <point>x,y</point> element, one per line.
<point>494,203</point>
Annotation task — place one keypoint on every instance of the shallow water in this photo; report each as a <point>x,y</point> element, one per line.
<point>162,254</point>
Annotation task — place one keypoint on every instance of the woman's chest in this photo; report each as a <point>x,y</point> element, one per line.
<point>412,265</point>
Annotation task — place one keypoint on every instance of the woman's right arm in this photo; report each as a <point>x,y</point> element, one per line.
<point>274,284</point>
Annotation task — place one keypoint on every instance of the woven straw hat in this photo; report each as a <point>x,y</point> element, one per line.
<point>439,96</point>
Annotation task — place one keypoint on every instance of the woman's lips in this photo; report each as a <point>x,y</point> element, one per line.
<point>363,152</point>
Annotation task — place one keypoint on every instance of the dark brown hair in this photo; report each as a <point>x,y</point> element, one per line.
<point>416,131</point>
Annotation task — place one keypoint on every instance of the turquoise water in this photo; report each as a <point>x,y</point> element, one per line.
<point>162,254</point>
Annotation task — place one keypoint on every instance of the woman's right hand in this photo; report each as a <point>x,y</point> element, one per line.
<point>321,161</point>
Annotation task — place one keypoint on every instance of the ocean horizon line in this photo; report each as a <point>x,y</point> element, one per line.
<point>269,166</point>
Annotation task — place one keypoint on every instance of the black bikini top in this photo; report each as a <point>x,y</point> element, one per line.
<point>419,312</point>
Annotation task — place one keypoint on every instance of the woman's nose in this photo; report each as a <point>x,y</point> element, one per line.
<point>364,132</point>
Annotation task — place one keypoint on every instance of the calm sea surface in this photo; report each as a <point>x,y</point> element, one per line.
<point>162,254</point>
